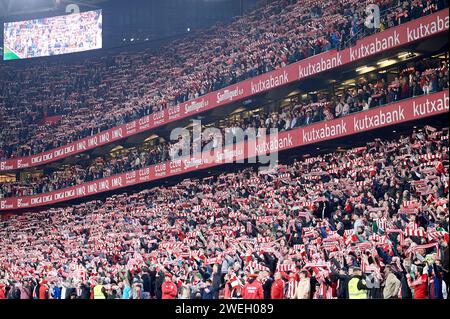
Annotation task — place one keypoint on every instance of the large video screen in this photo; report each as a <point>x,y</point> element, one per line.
<point>70,33</point>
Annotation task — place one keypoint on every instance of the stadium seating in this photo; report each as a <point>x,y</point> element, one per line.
<point>302,229</point>
<point>365,95</point>
<point>385,204</point>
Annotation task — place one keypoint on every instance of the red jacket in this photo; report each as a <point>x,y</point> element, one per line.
<point>43,291</point>
<point>253,290</point>
<point>277,289</point>
<point>2,292</point>
<point>227,291</point>
<point>169,290</point>
<point>420,287</point>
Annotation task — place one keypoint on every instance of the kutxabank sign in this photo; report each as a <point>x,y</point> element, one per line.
<point>392,114</point>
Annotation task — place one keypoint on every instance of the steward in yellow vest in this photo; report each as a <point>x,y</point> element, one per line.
<point>357,288</point>
<point>99,292</point>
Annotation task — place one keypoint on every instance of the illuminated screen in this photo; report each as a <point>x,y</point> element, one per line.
<point>70,33</point>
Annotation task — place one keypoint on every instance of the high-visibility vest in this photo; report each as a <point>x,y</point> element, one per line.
<point>98,294</point>
<point>354,292</point>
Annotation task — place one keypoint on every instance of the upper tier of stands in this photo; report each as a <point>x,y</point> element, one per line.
<point>98,93</point>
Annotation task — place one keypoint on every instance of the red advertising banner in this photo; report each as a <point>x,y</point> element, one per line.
<point>398,36</point>
<point>392,114</point>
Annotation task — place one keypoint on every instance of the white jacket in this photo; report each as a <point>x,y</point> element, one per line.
<point>303,289</point>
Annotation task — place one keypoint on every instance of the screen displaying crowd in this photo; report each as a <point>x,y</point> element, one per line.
<point>95,94</point>
<point>53,36</point>
<point>366,94</point>
<point>369,222</point>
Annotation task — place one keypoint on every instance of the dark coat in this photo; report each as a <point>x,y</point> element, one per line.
<point>210,294</point>
<point>146,282</point>
<point>267,287</point>
<point>406,291</point>
<point>85,292</point>
<point>216,283</point>
<point>342,289</point>
<point>158,284</point>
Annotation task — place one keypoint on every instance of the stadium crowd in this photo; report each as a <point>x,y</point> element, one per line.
<point>370,222</point>
<point>98,93</point>
<point>367,93</point>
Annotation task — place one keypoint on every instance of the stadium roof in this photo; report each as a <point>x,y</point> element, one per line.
<point>20,7</point>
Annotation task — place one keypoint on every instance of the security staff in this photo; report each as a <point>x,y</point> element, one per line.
<point>357,288</point>
<point>99,291</point>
